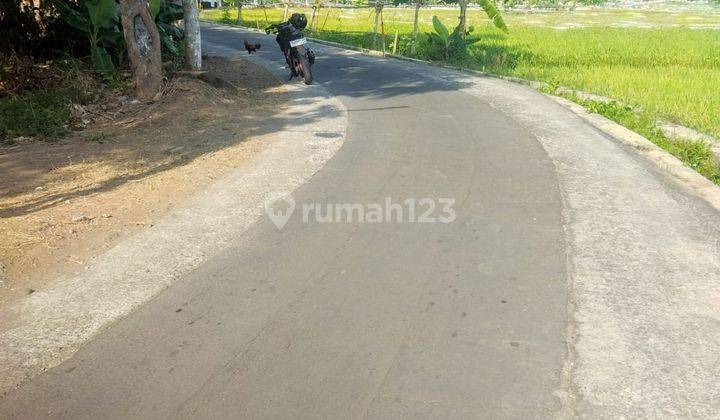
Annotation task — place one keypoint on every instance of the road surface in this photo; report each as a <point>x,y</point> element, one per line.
<point>475,318</point>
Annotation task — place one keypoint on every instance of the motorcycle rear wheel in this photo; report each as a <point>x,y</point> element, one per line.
<point>304,67</point>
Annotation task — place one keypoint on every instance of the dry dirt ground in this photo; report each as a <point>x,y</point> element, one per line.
<point>63,203</point>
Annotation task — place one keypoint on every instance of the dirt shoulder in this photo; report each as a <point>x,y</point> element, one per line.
<point>61,204</point>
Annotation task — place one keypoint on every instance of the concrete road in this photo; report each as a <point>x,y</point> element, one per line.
<point>466,319</point>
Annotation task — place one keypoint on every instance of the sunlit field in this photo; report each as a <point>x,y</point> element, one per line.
<point>664,62</point>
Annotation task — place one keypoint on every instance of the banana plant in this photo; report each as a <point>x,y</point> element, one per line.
<point>99,20</point>
<point>457,42</point>
<point>102,13</point>
<point>166,14</point>
<point>441,37</point>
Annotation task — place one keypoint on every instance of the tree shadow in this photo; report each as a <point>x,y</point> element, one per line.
<point>193,119</point>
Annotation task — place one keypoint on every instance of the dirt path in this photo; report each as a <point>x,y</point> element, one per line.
<point>61,204</point>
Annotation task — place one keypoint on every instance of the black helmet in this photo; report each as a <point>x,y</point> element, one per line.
<point>298,20</point>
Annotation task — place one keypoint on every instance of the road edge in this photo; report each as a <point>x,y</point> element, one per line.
<point>44,329</point>
<point>660,158</point>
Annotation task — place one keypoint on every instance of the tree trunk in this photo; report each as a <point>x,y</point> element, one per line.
<point>463,14</point>
<point>239,19</point>
<point>143,46</point>
<point>415,25</point>
<point>376,28</point>
<point>193,51</point>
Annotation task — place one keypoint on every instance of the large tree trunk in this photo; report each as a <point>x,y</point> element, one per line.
<point>463,14</point>
<point>193,50</point>
<point>143,45</point>
<point>239,19</point>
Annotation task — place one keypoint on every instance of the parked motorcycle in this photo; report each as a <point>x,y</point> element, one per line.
<point>294,45</point>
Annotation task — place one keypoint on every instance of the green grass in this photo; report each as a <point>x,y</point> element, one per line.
<point>695,154</point>
<point>665,63</point>
<point>42,113</point>
<point>42,108</point>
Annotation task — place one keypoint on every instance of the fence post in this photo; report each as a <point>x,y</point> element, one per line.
<point>395,43</point>
<point>382,31</point>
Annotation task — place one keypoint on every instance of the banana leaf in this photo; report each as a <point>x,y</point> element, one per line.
<point>155,7</point>
<point>73,16</point>
<point>101,11</point>
<point>101,61</point>
<point>440,28</point>
<point>494,14</point>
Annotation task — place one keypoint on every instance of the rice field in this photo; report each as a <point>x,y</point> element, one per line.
<point>665,62</point>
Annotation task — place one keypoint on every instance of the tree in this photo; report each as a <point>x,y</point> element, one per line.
<point>193,49</point>
<point>143,46</point>
<point>239,5</point>
<point>463,16</point>
<point>417,4</point>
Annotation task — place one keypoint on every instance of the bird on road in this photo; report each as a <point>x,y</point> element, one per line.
<point>251,48</point>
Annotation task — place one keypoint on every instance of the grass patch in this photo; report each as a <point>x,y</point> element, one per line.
<point>693,153</point>
<point>36,99</point>
<point>43,113</point>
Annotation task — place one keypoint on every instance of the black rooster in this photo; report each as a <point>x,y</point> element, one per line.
<point>251,48</point>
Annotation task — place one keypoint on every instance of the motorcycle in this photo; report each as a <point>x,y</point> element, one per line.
<point>299,57</point>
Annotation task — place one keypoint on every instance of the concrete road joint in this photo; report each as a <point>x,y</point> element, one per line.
<point>43,329</point>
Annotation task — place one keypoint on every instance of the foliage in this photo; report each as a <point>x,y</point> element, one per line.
<point>443,43</point>
<point>42,107</point>
<point>34,30</point>
<point>99,21</point>
<point>453,44</point>
<point>494,14</point>
<point>41,113</point>
<point>166,14</point>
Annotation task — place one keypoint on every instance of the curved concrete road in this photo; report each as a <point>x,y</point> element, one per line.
<point>575,280</point>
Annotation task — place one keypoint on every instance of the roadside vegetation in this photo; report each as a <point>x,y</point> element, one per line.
<point>58,56</point>
<point>664,65</point>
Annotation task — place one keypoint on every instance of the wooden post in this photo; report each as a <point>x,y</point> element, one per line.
<point>395,43</point>
<point>382,31</point>
<point>315,10</point>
